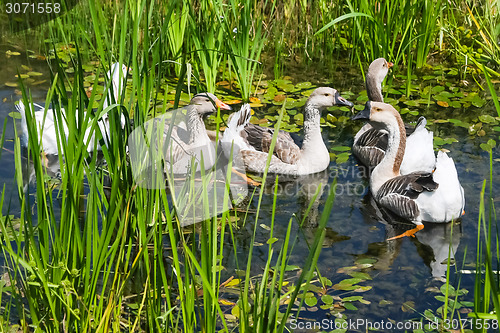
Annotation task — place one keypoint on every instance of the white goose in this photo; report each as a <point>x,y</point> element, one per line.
<point>188,140</point>
<point>253,142</point>
<point>418,196</point>
<point>47,127</point>
<point>370,144</point>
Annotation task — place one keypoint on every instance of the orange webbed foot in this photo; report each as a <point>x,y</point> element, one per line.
<point>246,178</point>
<point>409,233</point>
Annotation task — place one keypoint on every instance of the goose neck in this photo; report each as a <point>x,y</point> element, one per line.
<point>312,130</point>
<point>391,163</point>
<point>194,123</point>
<point>373,88</point>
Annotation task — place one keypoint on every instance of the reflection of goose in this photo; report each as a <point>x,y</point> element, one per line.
<point>440,237</point>
<point>253,142</point>
<point>305,194</point>
<point>370,143</point>
<point>46,125</point>
<point>190,139</point>
<point>419,196</point>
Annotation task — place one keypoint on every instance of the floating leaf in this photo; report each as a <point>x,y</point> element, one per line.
<point>226,302</point>
<point>486,118</point>
<point>437,89</point>
<point>327,299</point>
<point>12,53</point>
<point>444,104</point>
<point>408,306</point>
<point>272,240</point>
<point>360,275</point>
<point>350,306</point>
<point>15,115</point>
<point>411,103</point>
<point>35,74</point>
<point>11,84</point>
<point>343,157</point>
<point>303,85</point>
<point>311,301</point>
<point>341,148</point>
<point>279,98</point>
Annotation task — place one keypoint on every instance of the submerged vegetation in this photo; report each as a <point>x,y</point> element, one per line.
<point>93,251</point>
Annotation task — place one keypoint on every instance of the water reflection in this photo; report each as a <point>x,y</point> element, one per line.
<point>434,243</point>
<point>307,191</point>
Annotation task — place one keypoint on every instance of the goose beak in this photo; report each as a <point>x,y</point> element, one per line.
<point>221,105</point>
<point>342,101</point>
<point>365,113</point>
<point>389,64</point>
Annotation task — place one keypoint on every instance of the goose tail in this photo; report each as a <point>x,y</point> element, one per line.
<point>236,124</point>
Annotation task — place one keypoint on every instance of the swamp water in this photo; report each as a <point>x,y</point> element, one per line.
<point>398,280</point>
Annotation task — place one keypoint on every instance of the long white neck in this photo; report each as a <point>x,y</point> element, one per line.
<point>312,131</point>
<point>116,76</point>
<point>389,167</point>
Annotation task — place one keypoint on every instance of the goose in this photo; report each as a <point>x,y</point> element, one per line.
<point>253,142</point>
<point>370,143</point>
<point>189,139</point>
<point>419,196</point>
<point>47,126</point>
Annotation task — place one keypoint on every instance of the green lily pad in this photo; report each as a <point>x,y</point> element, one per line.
<point>486,118</point>
<point>303,85</point>
<point>327,299</point>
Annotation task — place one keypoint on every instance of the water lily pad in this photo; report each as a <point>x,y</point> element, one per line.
<point>486,118</point>
<point>279,98</point>
<point>437,89</point>
<point>11,84</point>
<point>303,85</point>
<point>327,299</point>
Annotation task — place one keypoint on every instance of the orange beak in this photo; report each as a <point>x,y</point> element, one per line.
<point>221,105</point>
<point>389,64</point>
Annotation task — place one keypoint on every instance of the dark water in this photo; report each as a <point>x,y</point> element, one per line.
<point>403,271</point>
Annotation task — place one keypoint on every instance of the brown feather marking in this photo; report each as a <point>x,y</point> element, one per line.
<point>402,144</point>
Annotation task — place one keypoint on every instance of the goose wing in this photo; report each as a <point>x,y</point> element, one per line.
<point>371,146</point>
<point>398,194</point>
<point>286,149</point>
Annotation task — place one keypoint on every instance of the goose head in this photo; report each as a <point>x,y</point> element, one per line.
<point>380,115</point>
<point>377,71</point>
<point>207,103</point>
<point>323,97</point>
